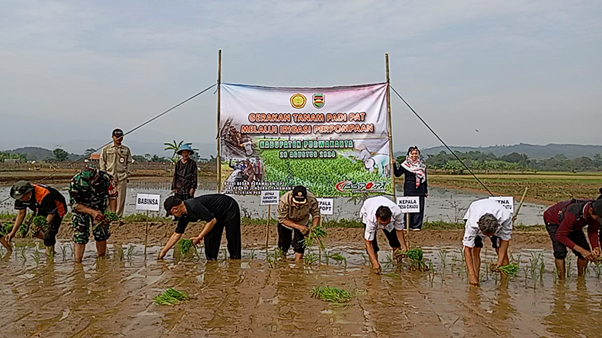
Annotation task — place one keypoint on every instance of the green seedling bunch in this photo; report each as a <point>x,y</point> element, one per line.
<point>171,296</point>
<point>331,294</point>
<point>184,246</point>
<point>339,258</point>
<point>315,234</point>
<point>416,259</point>
<point>310,258</point>
<point>39,225</point>
<point>415,254</point>
<point>111,216</point>
<point>509,270</point>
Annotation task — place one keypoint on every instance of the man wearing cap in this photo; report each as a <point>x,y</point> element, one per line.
<point>185,175</point>
<point>485,218</point>
<point>380,212</point>
<point>91,192</point>
<point>116,160</point>
<point>565,222</point>
<point>218,210</point>
<point>294,209</point>
<point>43,201</point>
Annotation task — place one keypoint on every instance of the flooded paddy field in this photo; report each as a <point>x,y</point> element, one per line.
<point>266,296</point>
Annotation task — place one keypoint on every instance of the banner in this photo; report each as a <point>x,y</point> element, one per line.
<point>332,140</point>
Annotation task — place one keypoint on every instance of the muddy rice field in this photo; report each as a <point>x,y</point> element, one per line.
<point>266,296</point>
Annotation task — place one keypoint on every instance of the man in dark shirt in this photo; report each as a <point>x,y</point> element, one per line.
<point>565,222</point>
<point>219,211</point>
<point>43,201</point>
<point>185,175</point>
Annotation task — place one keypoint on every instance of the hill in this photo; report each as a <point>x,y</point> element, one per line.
<point>533,151</point>
<point>33,153</point>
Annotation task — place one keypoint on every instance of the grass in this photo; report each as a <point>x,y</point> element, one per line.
<point>315,234</point>
<point>171,296</point>
<point>331,294</point>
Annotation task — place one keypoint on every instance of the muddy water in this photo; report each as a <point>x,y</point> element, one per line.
<point>255,297</point>
<point>442,204</point>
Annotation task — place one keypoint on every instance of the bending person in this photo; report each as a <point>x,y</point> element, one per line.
<point>219,211</point>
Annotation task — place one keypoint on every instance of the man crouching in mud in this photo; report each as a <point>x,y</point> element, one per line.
<point>381,213</point>
<point>486,218</point>
<point>218,210</point>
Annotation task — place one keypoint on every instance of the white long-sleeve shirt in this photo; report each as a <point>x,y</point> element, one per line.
<point>480,208</point>
<point>368,214</point>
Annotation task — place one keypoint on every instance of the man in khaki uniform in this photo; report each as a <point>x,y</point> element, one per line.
<point>294,209</point>
<point>116,159</point>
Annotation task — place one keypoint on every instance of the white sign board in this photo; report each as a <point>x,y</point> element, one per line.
<point>270,197</point>
<point>148,202</point>
<point>326,206</point>
<point>506,201</point>
<point>409,204</point>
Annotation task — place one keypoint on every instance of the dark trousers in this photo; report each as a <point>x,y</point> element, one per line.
<point>417,218</point>
<point>214,237</point>
<point>53,229</point>
<point>391,236</point>
<point>286,237</point>
<point>560,250</point>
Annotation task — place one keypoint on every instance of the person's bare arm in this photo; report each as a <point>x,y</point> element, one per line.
<point>49,218</point>
<point>304,229</point>
<point>373,256</point>
<point>208,226</point>
<point>175,237</point>
<point>502,252</point>
<point>402,239</point>
<point>472,275</point>
<point>316,221</point>
<point>18,221</point>
<point>113,204</point>
<point>85,210</point>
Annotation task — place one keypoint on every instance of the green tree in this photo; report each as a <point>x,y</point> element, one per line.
<point>175,146</point>
<point>60,154</point>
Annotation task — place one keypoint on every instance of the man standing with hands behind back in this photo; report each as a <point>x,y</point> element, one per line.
<point>116,160</point>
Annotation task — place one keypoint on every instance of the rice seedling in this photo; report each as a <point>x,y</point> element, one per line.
<point>36,256</point>
<point>315,234</point>
<point>443,258</point>
<point>338,257</point>
<point>310,258</point>
<point>39,225</point>
<point>331,294</point>
<point>171,296</point>
<point>415,256</point>
<point>509,270</point>
<point>111,216</point>
<point>183,246</point>
<point>130,252</point>
<point>278,253</point>
<point>252,254</point>
<point>23,254</point>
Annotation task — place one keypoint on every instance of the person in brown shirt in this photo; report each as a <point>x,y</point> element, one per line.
<point>116,160</point>
<point>294,210</point>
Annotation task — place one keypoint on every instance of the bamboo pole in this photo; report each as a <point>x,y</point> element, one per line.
<point>520,205</point>
<point>146,236</point>
<point>219,147</point>
<point>392,157</point>
<point>267,227</point>
<point>408,230</point>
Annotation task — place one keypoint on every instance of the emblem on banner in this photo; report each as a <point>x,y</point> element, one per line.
<point>298,101</point>
<point>318,100</point>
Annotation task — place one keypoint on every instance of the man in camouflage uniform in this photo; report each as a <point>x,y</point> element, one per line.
<point>91,191</point>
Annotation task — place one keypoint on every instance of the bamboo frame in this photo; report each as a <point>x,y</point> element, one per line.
<point>392,157</point>
<point>218,163</point>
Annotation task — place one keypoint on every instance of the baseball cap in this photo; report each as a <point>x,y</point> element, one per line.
<point>300,194</point>
<point>169,203</point>
<point>19,189</point>
<point>117,132</point>
<point>597,206</point>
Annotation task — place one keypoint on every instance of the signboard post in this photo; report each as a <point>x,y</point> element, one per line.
<point>269,198</point>
<point>148,203</point>
<point>326,206</point>
<point>409,205</point>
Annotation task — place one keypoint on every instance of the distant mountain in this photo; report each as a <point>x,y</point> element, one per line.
<point>33,153</point>
<point>531,150</point>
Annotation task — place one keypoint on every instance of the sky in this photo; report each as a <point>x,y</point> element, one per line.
<point>479,73</point>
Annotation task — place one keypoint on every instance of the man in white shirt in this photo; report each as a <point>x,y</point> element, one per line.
<point>486,218</point>
<point>381,213</point>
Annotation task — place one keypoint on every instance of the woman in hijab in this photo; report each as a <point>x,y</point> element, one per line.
<point>415,183</point>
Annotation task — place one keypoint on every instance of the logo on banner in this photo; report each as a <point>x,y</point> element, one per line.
<point>318,100</point>
<point>353,187</point>
<point>298,101</point>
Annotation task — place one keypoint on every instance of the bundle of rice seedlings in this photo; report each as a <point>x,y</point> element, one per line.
<point>39,225</point>
<point>509,270</point>
<point>171,296</point>
<point>184,245</point>
<point>416,256</point>
<point>331,294</point>
<point>111,216</point>
<point>315,234</point>
<point>339,258</point>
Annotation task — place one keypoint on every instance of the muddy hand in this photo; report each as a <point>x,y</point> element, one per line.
<point>376,269</point>
<point>305,230</point>
<point>195,240</point>
<point>399,254</point>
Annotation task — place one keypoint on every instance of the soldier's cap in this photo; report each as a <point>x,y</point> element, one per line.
<point>300,194</point>
<point>20,188</point>
<point>169,203</point>
<point>117,132</point>
<point>597,207</point>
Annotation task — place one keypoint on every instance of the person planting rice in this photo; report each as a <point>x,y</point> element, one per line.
<point>565,222</point>
<point>43,201</point>
<point>91,191</point>
<point>218,210</point>
<point>381,213</point>
<point>486,218</point>
<point>294,209</point>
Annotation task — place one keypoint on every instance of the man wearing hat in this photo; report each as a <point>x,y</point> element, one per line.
<point>43,201</point>
<point>116,160</point>
<point>218,210</point>
<point>91,192</point>
<point>565,222</point>
<point>294,210</point>
<point>185,175</point>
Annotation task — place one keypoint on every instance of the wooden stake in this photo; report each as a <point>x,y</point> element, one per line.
<point>391,156</point>
<point>408,230</point>
<point>146,236</point>
<point>267,227</point>
<point>219,138</point>
<point>522,199</point>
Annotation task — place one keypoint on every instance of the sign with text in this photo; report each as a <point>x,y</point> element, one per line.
<point>148,202</point>
<point>506,201</point>
<point>270,197</point>
<point>326,206</point>
<point>409,204</point>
